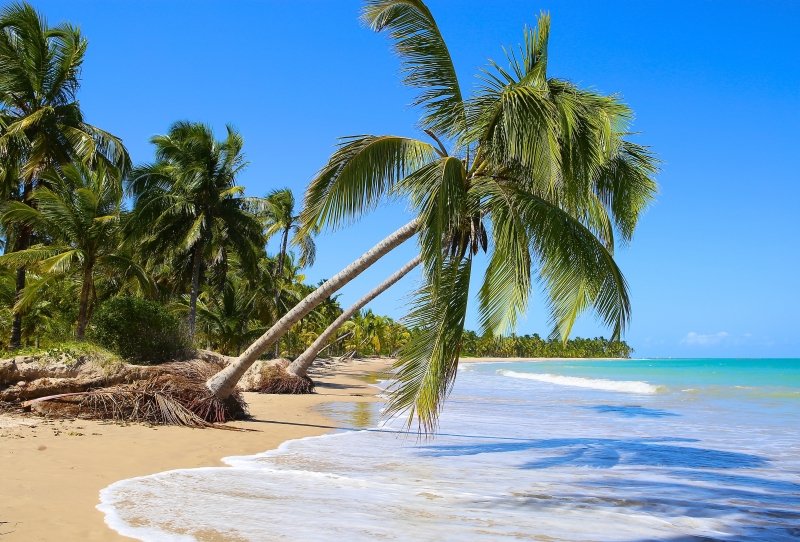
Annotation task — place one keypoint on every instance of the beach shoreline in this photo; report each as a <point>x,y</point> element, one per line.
<point>55,469</point>
<point>536,360</point>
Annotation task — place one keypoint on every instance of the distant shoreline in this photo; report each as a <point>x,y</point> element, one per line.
<point>538,360</point>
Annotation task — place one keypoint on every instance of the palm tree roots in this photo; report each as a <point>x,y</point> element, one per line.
<point>175,397</point>
<point>275,379</point>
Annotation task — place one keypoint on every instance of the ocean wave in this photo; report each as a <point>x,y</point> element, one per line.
<point>625,386</point>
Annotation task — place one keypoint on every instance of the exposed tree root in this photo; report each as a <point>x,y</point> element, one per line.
<point>177,396</point>
<point>275,379</point>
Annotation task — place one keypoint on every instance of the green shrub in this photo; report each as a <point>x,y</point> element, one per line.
<point>139,330</point>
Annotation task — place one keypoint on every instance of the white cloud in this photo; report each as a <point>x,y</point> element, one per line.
<point>704,339</point>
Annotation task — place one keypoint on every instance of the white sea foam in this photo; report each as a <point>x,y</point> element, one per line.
<point>507,464</point>
<point>624,386</point>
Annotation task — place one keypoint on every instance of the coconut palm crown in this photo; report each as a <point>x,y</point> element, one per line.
<point>41,122</point>
<point>188,206</point>
<point>79,213</point>
<point>534,170</point>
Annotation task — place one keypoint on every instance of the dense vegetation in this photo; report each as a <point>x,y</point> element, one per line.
<point>185,262</point>
<point>533,346</point>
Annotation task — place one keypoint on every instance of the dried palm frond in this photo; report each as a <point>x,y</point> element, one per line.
<point>177,397</point>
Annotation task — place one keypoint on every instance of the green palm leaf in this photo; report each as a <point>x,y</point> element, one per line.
<point>362,172</point>
<point>438,192</point>
<point>577,269</point>
<point>427,365</point>
<point>426,60</point>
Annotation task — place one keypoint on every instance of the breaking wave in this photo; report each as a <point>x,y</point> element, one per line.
<point>624,386</point>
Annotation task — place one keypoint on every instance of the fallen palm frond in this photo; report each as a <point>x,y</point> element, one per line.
<point>176,396</point>
<point>275,379</point>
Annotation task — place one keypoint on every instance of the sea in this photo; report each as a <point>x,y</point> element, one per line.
<point>594,450</point>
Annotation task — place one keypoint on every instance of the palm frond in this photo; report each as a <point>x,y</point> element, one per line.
<point>34,255</point>
<point>626,186</point>
<point>577,269</point>
<point>426,61</point>
<point>308,248</point>
<point>438,192</point>
<point>427,365</point>
<point>358,176</point>
<point>503,296</point>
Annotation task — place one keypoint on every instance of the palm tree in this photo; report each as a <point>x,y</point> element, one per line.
<point>300,365</point>
<point>367,333</point>
<point>188,207</point>
<point>78,210</point>
<point>41,123</point>
<point>227,320</point>
<point>280,218</point>
<point>545,162</point>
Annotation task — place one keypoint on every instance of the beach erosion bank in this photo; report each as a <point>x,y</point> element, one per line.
<point>53,470</point>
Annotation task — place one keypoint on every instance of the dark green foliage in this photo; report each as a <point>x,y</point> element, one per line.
<point>533,346</point>
<point>139,330</point>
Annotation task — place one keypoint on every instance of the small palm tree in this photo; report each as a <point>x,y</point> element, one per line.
<point>281,218</point>
<point>79,213</point>
<point>41,123</point>
<point>227,321</point>
<point>188,207</point>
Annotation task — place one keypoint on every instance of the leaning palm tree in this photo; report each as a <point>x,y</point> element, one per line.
<point>544,162</point>
<point>41,123</point>
<point>299,367</point>
<point>281,218</point>
<point>79,212</point>
<point>188,207</point>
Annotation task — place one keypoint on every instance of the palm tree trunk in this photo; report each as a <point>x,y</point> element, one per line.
<point>22,242</point>
<point>83,308</point>
<point>278,275</point>
<point>196,260</point>
<point>224,382</point>
<point>16,324</point>
<point>300,365</point>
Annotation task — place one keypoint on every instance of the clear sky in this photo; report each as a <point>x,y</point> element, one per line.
<point>715,86</point>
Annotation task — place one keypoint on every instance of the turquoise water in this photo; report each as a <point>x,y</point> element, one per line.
<point>575,451</point>
<point>770,374</point>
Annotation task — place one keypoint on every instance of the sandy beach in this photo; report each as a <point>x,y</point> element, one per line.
<point>54,469</point>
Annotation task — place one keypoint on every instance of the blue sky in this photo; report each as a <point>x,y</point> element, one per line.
<point>715,87</point>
